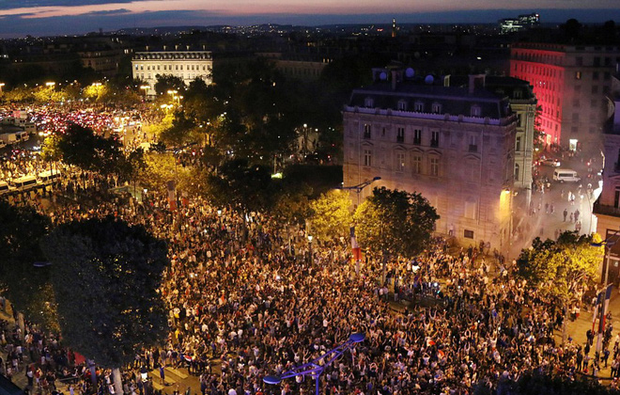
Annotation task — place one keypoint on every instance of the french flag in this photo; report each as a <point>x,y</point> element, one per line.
<point>355,248</point>
<point>601,327</point>
<point>599,301</point>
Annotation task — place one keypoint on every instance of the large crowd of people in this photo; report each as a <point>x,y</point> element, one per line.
<point>247,298</point>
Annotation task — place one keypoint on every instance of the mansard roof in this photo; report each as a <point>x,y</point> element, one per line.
<point>451,100</point>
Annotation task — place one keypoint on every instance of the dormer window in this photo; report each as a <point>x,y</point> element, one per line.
<point>402,105</point>
<point>436,108</point>
<point>369,102</point>
<point>518,94</point>
<point>476,110</point>
<point>419,106</point>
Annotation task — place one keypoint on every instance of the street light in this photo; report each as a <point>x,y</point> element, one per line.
<point>359,187</point>
<point>310,245</point>
<point>1,85</point>
<point>315,367</point>
<point>50,84</point>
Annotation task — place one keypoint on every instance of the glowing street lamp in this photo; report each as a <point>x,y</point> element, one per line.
<point>1,85</point>
<point>50,84</point>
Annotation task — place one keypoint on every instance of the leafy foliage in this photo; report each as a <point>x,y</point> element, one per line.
<point>106,275</point>
<point>27,287</point>
<point>396,222</point>
<point>242,186</point>
<point>331,215</point>
<point>560,267</point>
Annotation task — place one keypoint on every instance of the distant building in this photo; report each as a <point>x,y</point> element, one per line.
<point>511,25</point>
<point>303,67</point>
<point>187,65</point>
<point>454,145</point>
<point>572,85</point>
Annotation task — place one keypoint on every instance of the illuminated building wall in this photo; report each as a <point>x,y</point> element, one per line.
<point>572,84</point>
<point>187,65</point>
<point>453,145</point>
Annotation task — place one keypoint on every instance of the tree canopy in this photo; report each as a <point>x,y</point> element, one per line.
<point>560,267</point>
<point>331,216</point>
<point>396,222</point>
<point>26,286</point>
<point>106,275</point>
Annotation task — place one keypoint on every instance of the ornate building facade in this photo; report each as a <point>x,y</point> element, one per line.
<point>187,65</point>
<point>454,145</point>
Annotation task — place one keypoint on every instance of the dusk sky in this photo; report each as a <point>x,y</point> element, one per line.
<point>52,17</point>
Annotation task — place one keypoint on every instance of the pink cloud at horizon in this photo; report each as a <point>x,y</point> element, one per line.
<point>245,7</point>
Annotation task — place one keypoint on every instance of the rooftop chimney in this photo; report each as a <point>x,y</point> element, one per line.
<point>476,81</point>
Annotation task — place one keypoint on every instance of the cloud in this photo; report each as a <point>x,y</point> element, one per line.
<point>116,12</point>
<point>13,4</point>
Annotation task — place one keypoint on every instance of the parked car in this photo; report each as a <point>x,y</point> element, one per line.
<point>553,162</point>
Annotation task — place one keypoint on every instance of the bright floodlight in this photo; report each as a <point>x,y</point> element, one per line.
<point>357,337</point>
<point>272,380</point>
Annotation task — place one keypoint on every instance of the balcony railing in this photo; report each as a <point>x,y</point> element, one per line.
<point>605,209</point>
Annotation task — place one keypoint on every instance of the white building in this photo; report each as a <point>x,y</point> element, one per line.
<point>187,65</point>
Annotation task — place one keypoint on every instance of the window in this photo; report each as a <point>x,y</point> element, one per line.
<point>416,162</point>
<point>579,61</point>
<point>436,108</point>
<point>518,144</point>
<point>435,138</point>
<point>475,110</point>
<point>576,103</point>
<point>368,102</point>
<point>468,234</point>
<point>402,105</point>
<point>419,106</point>
<point>367,131</point>
<point>518,94</point>
<point>517,171</point>
<point>400,161</point>
<point>519,120</point>
<point>400,135</point>
<point>473,143</point>
<point>471,208</point>
<point>434,168</point>
<point>606,76</point>
<point>367,157</point>
<point>595,75</point>
<point>417,136</point>
<point>577,75</point>
<point>597,61</point>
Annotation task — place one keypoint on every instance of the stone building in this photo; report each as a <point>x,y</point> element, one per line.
<point>454,145</point>
<point>187,65</point>
<point>572,84</point>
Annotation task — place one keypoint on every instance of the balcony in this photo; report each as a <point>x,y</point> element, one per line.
<point>605,209</point>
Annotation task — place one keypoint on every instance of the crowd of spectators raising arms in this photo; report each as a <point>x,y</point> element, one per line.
<point>244,292</point>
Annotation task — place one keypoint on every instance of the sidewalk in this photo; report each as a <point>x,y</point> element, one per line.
<point>577,331</point>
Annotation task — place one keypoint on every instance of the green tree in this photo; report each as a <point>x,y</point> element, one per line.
<point>242,186</point>
<point>81,147</point>
<point>395,222</point>
<point>27,287</point>
<point>559,269</point>
<point>106,275</point>
<point>331,217</point>
<point>169,82</point>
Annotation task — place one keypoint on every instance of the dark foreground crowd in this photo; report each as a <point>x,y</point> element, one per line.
<point>248,298</point>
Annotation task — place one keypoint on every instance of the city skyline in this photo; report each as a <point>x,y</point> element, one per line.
<point>60,17</point>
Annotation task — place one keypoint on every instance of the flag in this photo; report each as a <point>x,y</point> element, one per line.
<point>355,248</point>
<point>601,327</point>
<point>172,196</point>
<point>599,300</point>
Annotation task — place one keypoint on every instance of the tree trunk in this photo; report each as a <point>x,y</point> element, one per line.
<point>118,381</point>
